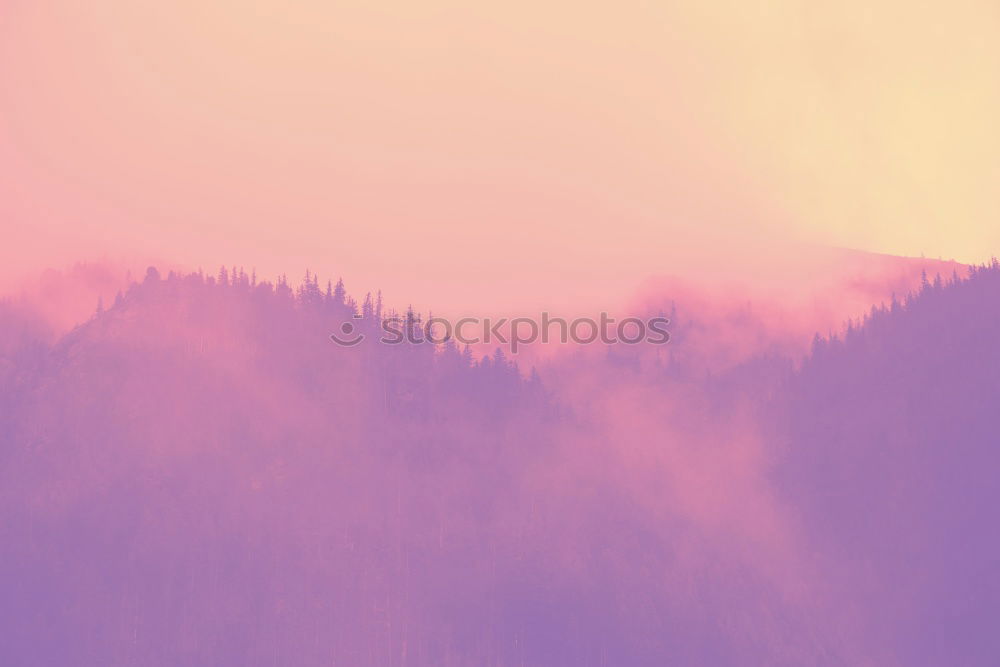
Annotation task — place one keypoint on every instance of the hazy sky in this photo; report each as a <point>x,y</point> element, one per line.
<point>447,148</point>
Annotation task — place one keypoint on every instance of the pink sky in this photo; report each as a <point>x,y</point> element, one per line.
<point>514,153</point>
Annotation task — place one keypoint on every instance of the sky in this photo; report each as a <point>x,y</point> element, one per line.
<point>464,152</point>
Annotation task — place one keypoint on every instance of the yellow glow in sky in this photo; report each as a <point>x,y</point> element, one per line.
<point>453,148</point>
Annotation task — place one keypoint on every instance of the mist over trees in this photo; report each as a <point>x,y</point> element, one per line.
<point>198,475</point>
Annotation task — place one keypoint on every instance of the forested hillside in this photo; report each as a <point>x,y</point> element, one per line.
<point>197,474</point>
<point>891,459</point>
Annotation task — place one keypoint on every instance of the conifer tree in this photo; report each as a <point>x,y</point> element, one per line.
<point>339,293</point>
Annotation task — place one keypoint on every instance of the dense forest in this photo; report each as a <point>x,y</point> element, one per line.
<point>890,457</point>
<point>197,475</point>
